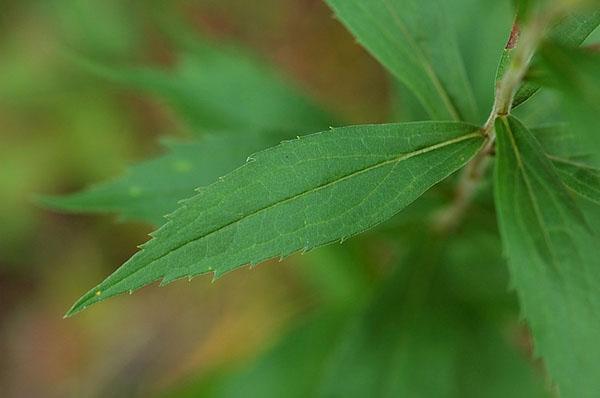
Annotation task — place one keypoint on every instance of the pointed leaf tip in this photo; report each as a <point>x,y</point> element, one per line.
<point>263,209</point>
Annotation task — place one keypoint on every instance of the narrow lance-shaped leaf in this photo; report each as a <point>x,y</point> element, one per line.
<point>571,31</point>
<point>416,43</point>
<point>213,88</point>
<point>479,40</point>
<point>299,195</point>
<point>552,260</point>
<point>481,27</point>
<point>151,189</point>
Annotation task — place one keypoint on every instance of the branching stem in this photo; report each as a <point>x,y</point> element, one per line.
<point>526,42</point>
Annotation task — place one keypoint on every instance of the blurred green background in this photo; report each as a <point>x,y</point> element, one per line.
<point>89,88</point>
<point>63,127</point>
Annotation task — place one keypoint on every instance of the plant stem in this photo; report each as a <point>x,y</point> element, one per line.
<point>528,41</point>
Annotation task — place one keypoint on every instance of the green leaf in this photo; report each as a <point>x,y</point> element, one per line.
<point>570,160</point>
<point>211,88</point>
<point>405,340</point>
<point>560,141</point>
<point>579,177</point>
<point>151,189</point>
<point>222,89</point>
<point>416,43</point>
<point>552,259</point>
<point>336,275</point>
<point>571,31</point>
<point>480,39</point>
<point>576,74</point>
<point>481,27</point>
<point>299,195</point>
<point>415,339</point>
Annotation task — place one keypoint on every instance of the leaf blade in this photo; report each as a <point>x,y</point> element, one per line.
<point>149,190</point>
<point>570,160</point>
<point>414,338</point>
<point>404,36</point>
<point>556,276</point>
<point>345,181</point>
<point>574,72</point>
<point>221,89</point>
<point>582,179</point>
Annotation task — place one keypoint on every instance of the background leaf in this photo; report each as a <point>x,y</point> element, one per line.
<point>581,178</point>
<point>561,141</point>
<point>290,368</point>
<point>417,44</point>
<point>418,326</point>
<point>211,88</point>
<point>222,88</point>
<point>480,39</point>
<point>433,316</point>
<point>151,189</point>
<point>553,265</point>
<point>571,159</point>
<point>344,181</point>
<point>575,74</point>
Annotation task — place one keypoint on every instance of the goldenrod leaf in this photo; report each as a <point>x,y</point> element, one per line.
<point>552,259</point>
<point>296,196</point>
<point>417,43</point>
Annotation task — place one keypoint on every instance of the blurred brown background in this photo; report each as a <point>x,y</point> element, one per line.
<point>62,129</point>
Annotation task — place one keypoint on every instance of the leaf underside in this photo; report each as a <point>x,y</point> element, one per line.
<point>299,195</point>
<point>552,259</point>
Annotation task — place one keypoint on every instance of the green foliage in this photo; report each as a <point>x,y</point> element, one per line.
<point>581,178</point>
<point>571,31</point>
<point>574,72</point>
<point>552,260</point>
<point>150,190</point>
<point>390,344</point>
<point>418,46</point>
<point>416,327</point>
<point>444,309</point>
<point>559,140</point>
<point>300,195</point>
<point>222,89</point>
<point>571,159</point>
